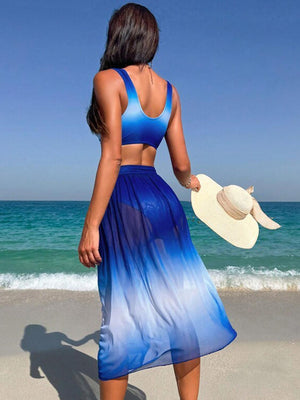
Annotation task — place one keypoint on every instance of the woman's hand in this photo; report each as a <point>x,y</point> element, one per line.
<point>195,184</point>
<point>88,248</point>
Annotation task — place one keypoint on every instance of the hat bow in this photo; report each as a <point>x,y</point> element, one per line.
<point>256,211</point>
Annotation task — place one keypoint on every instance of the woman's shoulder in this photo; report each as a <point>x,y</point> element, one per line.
<point>105,77</point>
<point>107,85</point>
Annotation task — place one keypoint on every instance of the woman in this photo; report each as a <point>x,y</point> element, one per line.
<point>159,305</point>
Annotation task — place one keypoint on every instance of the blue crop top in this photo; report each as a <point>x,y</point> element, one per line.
<point>137,127</point>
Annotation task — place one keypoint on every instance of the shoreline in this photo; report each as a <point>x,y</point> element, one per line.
<point>220,290</point>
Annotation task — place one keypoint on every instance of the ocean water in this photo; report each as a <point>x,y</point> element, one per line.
<point>39,240</point>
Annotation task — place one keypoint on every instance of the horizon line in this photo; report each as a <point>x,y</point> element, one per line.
<point>188,201</point>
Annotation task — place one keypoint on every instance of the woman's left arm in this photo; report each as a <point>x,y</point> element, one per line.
<point>106,89</point>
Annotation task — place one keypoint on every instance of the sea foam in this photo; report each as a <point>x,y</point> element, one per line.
<point>232,277</point>
<point>59,280</point>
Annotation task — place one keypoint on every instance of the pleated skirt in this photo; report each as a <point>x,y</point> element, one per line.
<point>159,304</point>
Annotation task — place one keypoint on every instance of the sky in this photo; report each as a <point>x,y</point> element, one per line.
<point>235,64</point>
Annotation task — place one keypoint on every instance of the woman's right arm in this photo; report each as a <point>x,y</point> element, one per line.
<point>106,89</point>
<point>177,147</point>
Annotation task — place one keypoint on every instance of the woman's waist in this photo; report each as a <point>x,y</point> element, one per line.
<point>136,168</point>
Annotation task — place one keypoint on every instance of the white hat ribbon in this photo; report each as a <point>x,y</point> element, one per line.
<point>254,209</point>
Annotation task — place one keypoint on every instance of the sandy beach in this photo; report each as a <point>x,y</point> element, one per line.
<point>44,352</point>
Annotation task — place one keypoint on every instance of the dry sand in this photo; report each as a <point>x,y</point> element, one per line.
<point>52,362</point>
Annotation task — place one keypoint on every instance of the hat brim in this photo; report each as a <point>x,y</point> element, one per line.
<point>240,233</point>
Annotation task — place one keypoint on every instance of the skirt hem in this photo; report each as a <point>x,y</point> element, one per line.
<point>148,366</point>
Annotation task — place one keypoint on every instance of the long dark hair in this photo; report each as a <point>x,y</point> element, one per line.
<point>132,39</point>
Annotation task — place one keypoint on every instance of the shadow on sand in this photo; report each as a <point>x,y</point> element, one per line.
<point>72,373</point>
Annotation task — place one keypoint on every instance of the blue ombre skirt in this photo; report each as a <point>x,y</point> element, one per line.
<point>159,304</point>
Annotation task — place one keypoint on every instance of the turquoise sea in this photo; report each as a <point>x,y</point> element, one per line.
<point>39,239</point>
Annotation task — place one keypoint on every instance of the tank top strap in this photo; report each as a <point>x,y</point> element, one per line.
<point>131,92</point>
<point>168,108</point>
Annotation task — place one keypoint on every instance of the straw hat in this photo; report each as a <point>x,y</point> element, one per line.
<point>230,211</point>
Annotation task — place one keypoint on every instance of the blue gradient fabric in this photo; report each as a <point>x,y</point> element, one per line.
<point>159,304</point>
<point>137,127</point>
